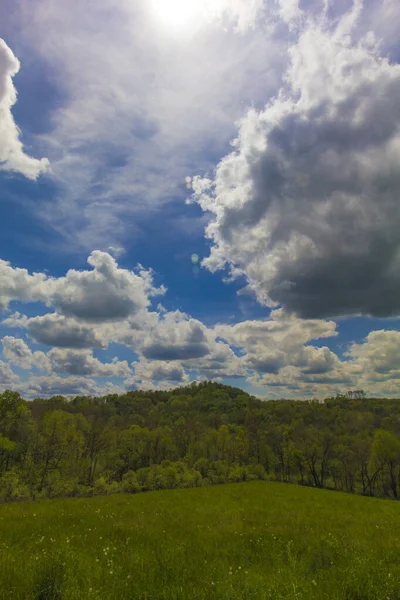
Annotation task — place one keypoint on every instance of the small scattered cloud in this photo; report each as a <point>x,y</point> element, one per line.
<point>116,251</point>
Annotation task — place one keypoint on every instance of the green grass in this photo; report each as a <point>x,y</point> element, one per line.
<point>252,540</point>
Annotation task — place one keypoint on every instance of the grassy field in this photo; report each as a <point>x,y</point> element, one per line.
<point>252,540</point>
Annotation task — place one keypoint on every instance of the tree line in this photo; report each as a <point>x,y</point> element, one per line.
<point>203,434</point>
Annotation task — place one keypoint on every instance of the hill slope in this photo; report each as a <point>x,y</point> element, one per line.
<point>252,540</point>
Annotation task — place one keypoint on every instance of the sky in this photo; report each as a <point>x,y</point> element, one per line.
<point>199,190</point>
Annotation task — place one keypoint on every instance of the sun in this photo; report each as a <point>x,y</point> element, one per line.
<point>180,14</point>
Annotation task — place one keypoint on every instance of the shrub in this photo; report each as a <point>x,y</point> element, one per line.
<point>56,486</point>
<point>141,475</point>
<point>12,487</point>
<point>191,478</point>
<point>130,484</point>
<point>100,486</point>
<point>114,487</point>
<point>254,472</point>
<point>202,465</point>
<point>237,474</point>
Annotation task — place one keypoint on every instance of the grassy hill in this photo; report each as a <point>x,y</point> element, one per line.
<point>251,540</point>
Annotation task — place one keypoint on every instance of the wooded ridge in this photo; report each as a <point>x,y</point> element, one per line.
<point>203,434</point>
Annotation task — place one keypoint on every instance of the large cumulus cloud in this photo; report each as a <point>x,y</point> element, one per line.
<point>107,293</point>
<point>12,156</point>
<point>306,206</point>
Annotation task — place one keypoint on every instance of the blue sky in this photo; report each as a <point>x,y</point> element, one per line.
<point>200,190</point>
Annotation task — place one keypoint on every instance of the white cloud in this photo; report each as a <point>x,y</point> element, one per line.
<point>106,293</point>
<point>8,379</point>
<point>378,356</point>
<point>44,386</point>
<point>306,205</point>
<point>18,284</point>
<point>17,352</point>
<point>153,372</point>
<point>289,10</point>
<point>116,251</point>
<point>244,12</point>
<point>222,362</point>
<point>316,361</point>
<point>176,337</point>
<point>12,156</point>
<point>279,330</point>
<point>281,354</point>
<point>372,365</point>
<point>291,382</point>
<point>51,385</point>
<point>79,362</point>
<point>83,363</point>
<point>269,346</point>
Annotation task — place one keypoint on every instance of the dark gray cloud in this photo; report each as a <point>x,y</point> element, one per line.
<point>83,363</point>
<point>107,293</point>
<point>306,207</point>
<point>176,337</point>
<point>158,371</point>
<point>159,351</point>
<point>59,331</point>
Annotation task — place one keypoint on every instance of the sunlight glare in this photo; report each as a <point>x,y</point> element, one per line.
<point>179,14</point>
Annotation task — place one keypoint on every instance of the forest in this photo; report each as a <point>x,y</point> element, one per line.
<point>203,434</point>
